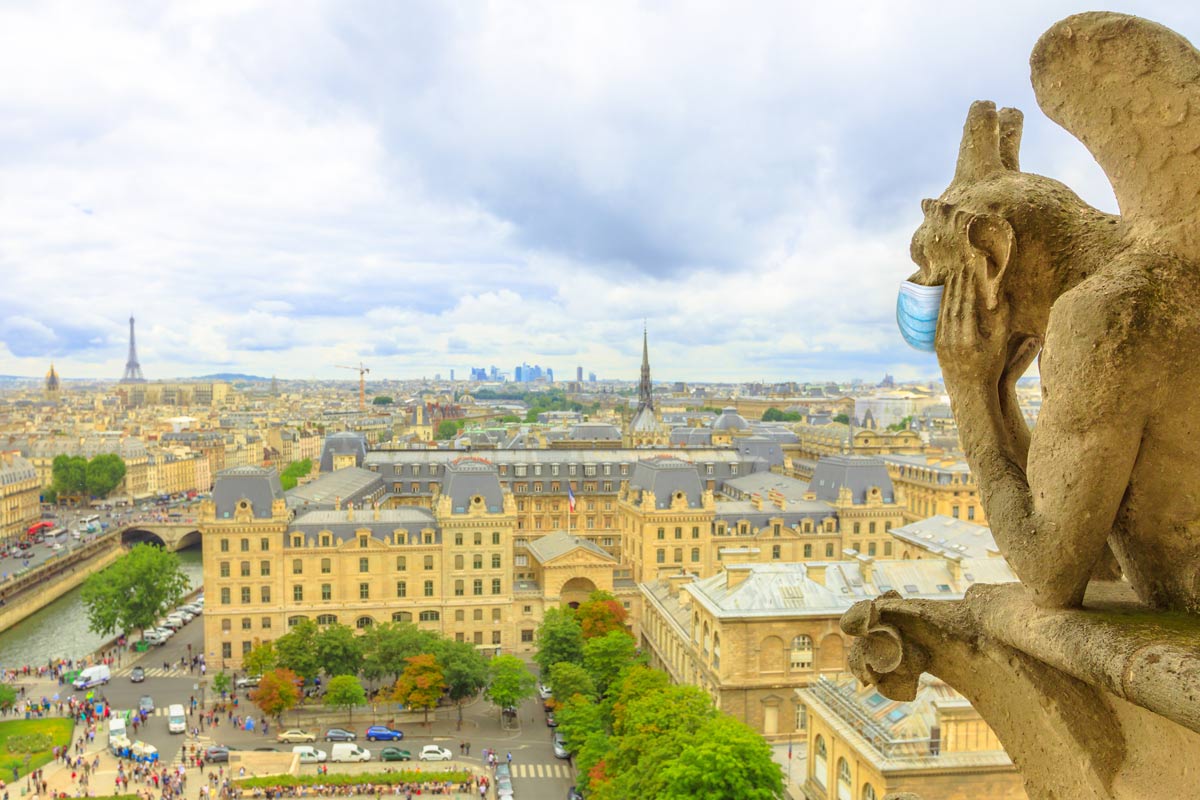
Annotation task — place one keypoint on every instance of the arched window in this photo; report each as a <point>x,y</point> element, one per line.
<point>716,656</point>
<point>430,616</point>
<point>363,622</point>
<point>868,792</point>
<point>844,790</point>
<point>706,641</point>
<point>402,616</point>
<point>802,652</point>
<point>294,621</point>
<point>819,760</point>
<point>327,619</point>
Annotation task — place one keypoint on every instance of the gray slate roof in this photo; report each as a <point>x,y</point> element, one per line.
<point>470,477</point>
<point>343,443</point>
<point>345,524</point>
<point>666,477</point>
<point>349,485</point>
<point>257,484</point>
<point>553,545</point>
<point>730,420</point>
<point>859,473</point>
<point>944,535</point>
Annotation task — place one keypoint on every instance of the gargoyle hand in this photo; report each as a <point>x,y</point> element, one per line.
<point>972,341</point>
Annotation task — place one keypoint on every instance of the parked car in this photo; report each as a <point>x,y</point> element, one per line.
<point>340,735</point>
<point>503,771</point>
<point>296,735</point>
<point>216,754</point>
<point>146,703</point>
<point>574,794</point>
<point>560,746</point>
<point>432,752</point>
<point>248,682</point>
<point>137,675</point>
<point>310,755</point>
<point>394,754</point>
<point>504,787</point>
<point>551,722</point>
<point>382,733</point>
<point>544,691</point>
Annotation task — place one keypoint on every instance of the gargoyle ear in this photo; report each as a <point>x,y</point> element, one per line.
<point>994,239</point>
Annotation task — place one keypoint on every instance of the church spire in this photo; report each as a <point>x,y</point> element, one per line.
<point>645,390</point>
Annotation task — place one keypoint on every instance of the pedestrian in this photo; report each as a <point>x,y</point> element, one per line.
<point>468,748</point>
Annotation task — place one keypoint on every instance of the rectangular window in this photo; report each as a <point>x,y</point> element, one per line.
<point>495,561</point>
<point>264,594</point>
<point>970,512</point>
<point>245,594</point>
<point>225,596</point>
<point>246,647</point>
<point>428,562</point>
<point>460,615</point>
<point>478,615</point>
<point>401,589</point>
<point>224,545</point>
<point>808,551</point>
<point>401,564</point>
<point>458,589</point>
<point>264,569</point>
<point>297,566</point>
<point>871,527</point>
<point>266,624</point>
<point>829,550</point>
<point>364,565</point>
<point>362,541</point>
<point>298,593</point>
<point>245,623</point>
<point>870,548</point>
<point>364,591</point>
<point>226,649</point>
<point>495,586</point>
<point>326,591</point>
<point>245,545</point>
<point>429,588</point>
<point>495,537</point>
<point>245,569</point>
<point>477,586</point>
<point>661,556</point>
<point>264,544</point>
<point>326,566</point>
<point>495,637</point>
<point>526,635</point>
<point>224,569</point>
<point>887,548</point>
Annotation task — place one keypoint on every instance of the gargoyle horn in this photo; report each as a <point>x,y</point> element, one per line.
<point>979,154</point>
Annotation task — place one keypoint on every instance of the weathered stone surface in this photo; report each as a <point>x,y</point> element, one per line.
<point>1094,689</point>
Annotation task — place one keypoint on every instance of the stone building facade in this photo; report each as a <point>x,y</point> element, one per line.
<point>20,495</point>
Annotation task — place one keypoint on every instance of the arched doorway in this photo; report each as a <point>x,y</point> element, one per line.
<point>576,591</point>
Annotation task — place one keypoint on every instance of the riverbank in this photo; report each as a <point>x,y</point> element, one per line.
<point>54,581</point>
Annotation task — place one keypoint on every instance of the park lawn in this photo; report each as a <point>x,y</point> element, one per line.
<point>58,729</point>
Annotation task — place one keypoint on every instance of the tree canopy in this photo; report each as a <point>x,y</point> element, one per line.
<point>221,683</point>
<point>559,638</point>
<point>75,475</point>
<point>605,657</point>
<point>339,651</point>
<point>448,429</point>
<point>69,475</point>
<point>724,759</point>
<point>386,647</point>
<point>509,681</point>
<point>297,649</point>
<point>382,400</point>
<point>293,472</point>
<point>421,684</point>
<point>773,414</point>
<point>568,679</point>
<point>104,473</point>
<point>277,692</point>
<point>345,691</point>
<point>134,591</point>
<point>465,671</point>
<point>902,425</point>
<point>261,659</point>
<point>601,614</point>
<point>842,418</point>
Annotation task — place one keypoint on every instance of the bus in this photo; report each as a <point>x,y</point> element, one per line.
<point>94,519</point>
<point>38,527</point>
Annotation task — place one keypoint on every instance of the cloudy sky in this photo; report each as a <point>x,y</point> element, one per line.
<point>279,188</point>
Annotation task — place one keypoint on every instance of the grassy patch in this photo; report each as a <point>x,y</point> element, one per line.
<point>340,779</point>
<point>31,739</point>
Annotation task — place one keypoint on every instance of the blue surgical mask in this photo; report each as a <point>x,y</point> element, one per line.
<point>917,309</point>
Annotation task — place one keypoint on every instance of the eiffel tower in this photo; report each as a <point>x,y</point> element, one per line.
<point>133,370</point>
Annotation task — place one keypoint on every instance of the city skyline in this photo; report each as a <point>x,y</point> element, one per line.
<point>276,191</point>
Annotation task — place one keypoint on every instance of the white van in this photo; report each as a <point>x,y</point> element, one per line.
<point>309,754</point>
<point>176,719</point>
<point>93,676</point>
<point>348,751</point>
<point>117,732</point>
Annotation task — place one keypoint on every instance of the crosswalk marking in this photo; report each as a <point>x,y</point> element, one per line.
<point>558,770</point>
<point>156,672</point>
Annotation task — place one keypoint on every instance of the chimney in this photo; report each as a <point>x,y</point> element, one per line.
<point>376,512</point>
<point>677,580</point>
<point>756,499</point>
<point>815,572</point>
<point>736,574</point>
<point>866,564</point>
<point>349,511</point>
<point>956,571</point>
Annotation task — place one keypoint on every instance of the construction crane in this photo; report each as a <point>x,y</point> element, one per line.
<point>362,383</point>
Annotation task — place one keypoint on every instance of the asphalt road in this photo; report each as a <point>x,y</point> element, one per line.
<point>537,774</point>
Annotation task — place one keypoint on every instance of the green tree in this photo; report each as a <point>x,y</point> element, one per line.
<point>261,659</point>
<point>448,429</point>
<point>383,400</point>
<point>386,646</point>
<point>277,691</point>
<point>531,415</point>
<point>465,670</point>
<point>902,425</point>
<point>297,649</point>
<point>581,722</point>
<point>69,474</point>
<point>134,591</point>
<point>568,679</point>
<point>559,638</point>
<point>509,681</point>
<point>104,473</point>
<point>8,696</point>
<point>842,418</point>
<point>293,472</point>
<point>339,651</point>
<point>345,691</point>
<point>606,656</point>
<point>50,495</point>
<point>601,614</point>
<point>724,760</point>
<point>222,683</point>
<point>421,685</point>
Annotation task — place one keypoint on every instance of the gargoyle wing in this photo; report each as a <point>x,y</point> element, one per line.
<point>1129,89</point>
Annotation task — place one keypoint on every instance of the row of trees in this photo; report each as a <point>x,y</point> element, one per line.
<point>631,732</point>
<point>77,476</point>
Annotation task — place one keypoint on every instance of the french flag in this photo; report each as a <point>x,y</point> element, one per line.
<point>570,498</point>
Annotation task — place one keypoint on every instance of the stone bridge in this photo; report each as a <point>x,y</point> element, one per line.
<point>171,535</point>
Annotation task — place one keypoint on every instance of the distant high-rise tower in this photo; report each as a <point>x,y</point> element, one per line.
<point>52,382</point>
<point>133,370</point>
<point>579,374</point>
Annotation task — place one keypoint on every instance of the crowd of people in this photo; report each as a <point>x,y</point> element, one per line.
<point>474,786</point>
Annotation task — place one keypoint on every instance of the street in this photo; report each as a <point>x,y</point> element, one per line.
<point>537,774</point>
